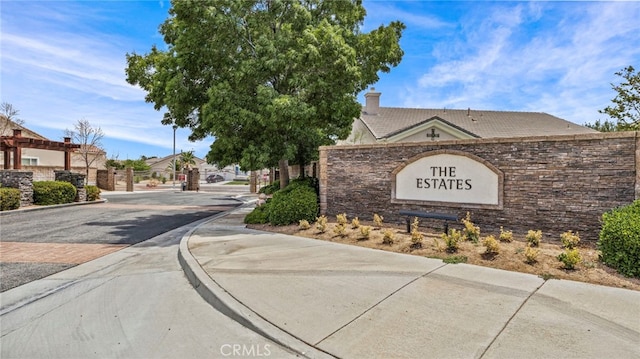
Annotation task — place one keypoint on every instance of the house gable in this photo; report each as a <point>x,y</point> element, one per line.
<point>434,128</point>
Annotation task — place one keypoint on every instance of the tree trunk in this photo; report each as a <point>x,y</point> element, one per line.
<point>283,165</point>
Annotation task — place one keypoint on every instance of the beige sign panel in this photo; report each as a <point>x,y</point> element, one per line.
<point>449,178</point>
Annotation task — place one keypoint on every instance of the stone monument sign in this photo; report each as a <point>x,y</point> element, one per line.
<point>448,177</point>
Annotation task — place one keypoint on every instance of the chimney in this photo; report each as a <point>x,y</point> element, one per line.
<point>372,102</point>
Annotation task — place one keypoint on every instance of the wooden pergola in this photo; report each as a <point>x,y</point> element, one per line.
<point>16,143</point>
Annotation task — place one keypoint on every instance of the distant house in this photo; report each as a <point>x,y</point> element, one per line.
<point>163,166</point>
<point>391,124</point>
<point>43,162</point>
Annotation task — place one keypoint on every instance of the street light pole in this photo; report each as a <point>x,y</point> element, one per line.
<point>174,155</point>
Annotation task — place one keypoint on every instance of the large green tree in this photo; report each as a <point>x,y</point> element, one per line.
<point>271,80</point>
<point>626,105</point>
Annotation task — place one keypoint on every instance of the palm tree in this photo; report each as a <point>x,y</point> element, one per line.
<point>187,159</point>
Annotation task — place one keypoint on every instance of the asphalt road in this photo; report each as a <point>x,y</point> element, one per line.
<point>133,303</point>
<point>42,242</point>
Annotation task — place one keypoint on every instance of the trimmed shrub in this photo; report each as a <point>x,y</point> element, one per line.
<point>377,219</point>
<point>53,192</point>
<point>340,230</point>
<point>365,232</point>
<point>491,244</point>
<point>534,237</point>
<point>93,192</point>
<point>270,189</point>
<point>388,236</point>
<point>569,239</point>
<point>505,236</point>
<point>570,257</point>
<point>321,224</point>
<point>9,198</point>
<point>620,239</point>
<point>452,240</point>
<point>292,205</point>
<point>260,215</point>
<point>304,224</point>
<point>470,232</point>
<point>531,254</point>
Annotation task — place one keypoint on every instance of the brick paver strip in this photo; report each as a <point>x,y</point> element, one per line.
<point>76,253</point>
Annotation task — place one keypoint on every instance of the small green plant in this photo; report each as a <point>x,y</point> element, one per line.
<point>492,247</point>
<point>416,236</point>
<point>304,224</point>
<point>437,245</point>
<point>163,179</point>
<point>531,254</point>
<point>452,240</point>
<point>547,276</point>
<point>505,236</point>
<point>570,257</point>
<point>388,236</point>
<point>569,239</point>
<point>355,223</point>
<point>471,232</point>
<point>377,220</point>
<point>93,192</point>
<point>455,259</point>
<point>321,224</point>
<point>341,219</point>
<point>340,230</point>
<point>365,231</point>
<point>534,237</point>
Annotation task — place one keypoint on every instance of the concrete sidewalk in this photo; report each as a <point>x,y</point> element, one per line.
<point>324,300</point>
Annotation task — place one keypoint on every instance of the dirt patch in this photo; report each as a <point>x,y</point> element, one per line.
<point>510,257</point>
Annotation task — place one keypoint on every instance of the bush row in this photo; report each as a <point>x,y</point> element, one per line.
<point>53,192</point>
<point>298,201</point>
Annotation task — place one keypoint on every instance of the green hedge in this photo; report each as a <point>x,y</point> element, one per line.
<point>270,189</point>
<point>93,192</point>
<point>9,198</point>
<point>260,215</point>
<point>291,206</point>
<point>297,201</point>
<point>53,192</point>
<point>620,239</point>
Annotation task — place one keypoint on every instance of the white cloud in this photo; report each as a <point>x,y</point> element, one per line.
<point>523,60</point>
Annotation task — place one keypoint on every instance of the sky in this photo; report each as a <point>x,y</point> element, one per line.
<point>63,61</point>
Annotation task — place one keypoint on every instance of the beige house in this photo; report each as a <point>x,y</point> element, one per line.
<point>43,162</point>
<point>164,166</point>
<point>391,125</point>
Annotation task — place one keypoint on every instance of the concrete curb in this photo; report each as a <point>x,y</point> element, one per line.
<point>225,303</point>
<point>40,208</point>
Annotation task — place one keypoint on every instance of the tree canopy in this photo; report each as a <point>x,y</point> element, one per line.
<point>626,105</point>
<point>271,80</point>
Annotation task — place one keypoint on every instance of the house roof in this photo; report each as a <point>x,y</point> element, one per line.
<point>389,121</point>
<point>168,159</point>
<point>7,126</point>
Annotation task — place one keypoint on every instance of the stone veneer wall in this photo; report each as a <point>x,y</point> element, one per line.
<point>193,180</point>
<point>554,183</point>
<point>106,179</point>
<point>22,180</point>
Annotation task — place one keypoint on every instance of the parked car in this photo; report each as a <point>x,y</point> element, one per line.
<point>214,178</point>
